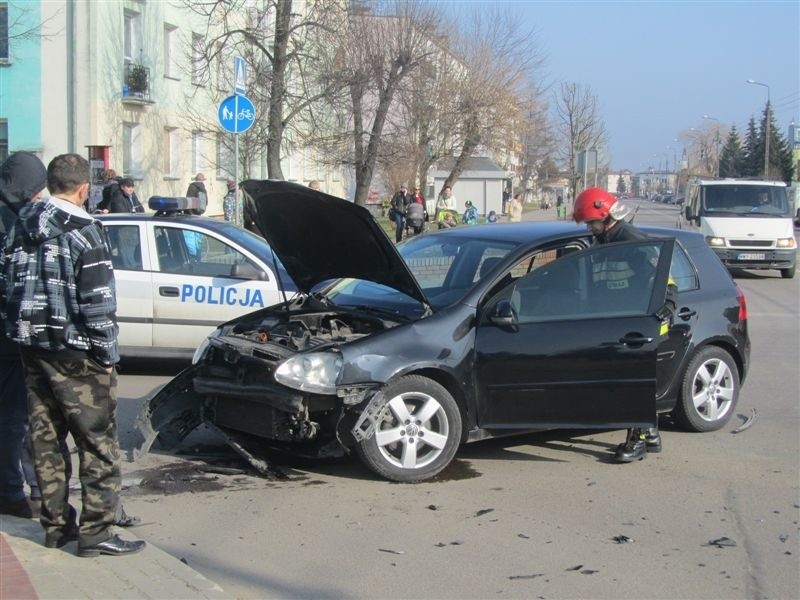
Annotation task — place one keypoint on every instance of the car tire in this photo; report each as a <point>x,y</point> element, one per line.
<point>788,273</point>
<point>419,433</point>
<point>709,392</point>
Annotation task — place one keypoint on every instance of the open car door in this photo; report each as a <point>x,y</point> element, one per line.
<point>573,344</point>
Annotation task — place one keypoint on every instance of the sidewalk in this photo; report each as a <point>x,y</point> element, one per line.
<point>28,570</point>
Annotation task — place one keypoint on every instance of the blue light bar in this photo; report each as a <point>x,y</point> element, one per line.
<point>173,204</point>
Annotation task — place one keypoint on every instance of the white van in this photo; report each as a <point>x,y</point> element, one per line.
<point>747,222</point>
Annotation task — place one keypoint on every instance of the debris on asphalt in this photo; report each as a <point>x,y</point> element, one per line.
<point>221,470</point>
<point>783,537</point>
<point>453,543</point>
<point>623,539</point>
<point>575,568</point>
<point>484,511</point>
<point>589,571</point>
<point>747,421</point>
<point>723,542</point>
<point>432,507</point>
<point>390,551</point>
<point>523,536</point>
<point>531,576</point>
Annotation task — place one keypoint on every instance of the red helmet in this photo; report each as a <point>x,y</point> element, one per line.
<point>593,204</point>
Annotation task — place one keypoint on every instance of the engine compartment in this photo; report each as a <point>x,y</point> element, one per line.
<point>300,331</point>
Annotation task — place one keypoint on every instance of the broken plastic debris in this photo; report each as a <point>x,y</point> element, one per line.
<point>483,511</point>
<point>456,542</point>
<point>391,551</point>
<point>575,568</point>
<point>523,536</point>
<point>748,421</point>
<point>783,537</point>
<point>723,542</point>
<point>589,571</point>
<point>432,507</point>
<point>531,576</point>
<point>622,539</point>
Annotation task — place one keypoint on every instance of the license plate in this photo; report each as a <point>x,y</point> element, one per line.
<point>751,256</point>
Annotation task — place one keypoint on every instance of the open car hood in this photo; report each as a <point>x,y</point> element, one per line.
<point>319,237</point>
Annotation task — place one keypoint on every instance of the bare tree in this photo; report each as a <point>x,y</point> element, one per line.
<point>579,125</point>
<point>277,43</point>
<point>496,87</point>
<point>383,42</point>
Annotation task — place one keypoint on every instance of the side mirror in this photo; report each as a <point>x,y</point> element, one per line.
<point>503,315</point>
<point>688,211</point>
<point>248,271</point>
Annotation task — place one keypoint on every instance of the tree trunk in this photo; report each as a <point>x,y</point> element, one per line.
<point>283,14</point>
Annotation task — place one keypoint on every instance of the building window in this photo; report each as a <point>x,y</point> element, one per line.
<point>3,31</point>
<point>225,166</point>
<point>172,151</point>
<point>171,51</point>
<point>198,59</point>
<point>131,149</point>
<point>132,36</point>
<point>197,152</point>
<point>3,140</point>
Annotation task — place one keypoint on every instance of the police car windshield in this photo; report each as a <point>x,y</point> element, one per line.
<point>752,200</point>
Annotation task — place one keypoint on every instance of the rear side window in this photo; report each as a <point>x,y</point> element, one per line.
<point>682,271</point>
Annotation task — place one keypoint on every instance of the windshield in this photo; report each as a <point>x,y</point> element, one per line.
<point>445,266</point>
<point>751,200</point>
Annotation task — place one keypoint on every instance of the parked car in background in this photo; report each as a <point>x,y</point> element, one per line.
<point>178,276</point>
<point>402,354</point>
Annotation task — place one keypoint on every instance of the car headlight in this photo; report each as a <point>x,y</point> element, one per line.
<point>786,242</point>
<point>315,372</point>
<point>715,242</point>
<point>201,349</point>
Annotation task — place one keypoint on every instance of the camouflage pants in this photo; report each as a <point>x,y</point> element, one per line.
<point>74,396</point>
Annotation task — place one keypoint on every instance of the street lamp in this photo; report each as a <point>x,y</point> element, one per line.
<point>766,130</point>
<point>717,121</point>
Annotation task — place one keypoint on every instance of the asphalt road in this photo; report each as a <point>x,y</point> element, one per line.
<point>523,517</point>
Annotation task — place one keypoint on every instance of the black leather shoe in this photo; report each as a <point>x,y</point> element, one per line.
<point>652,440</point>
<point>631,451</point>
<point>113,546</point>
<point>61,537</point>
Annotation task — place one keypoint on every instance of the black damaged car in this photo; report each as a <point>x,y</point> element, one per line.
<point>402,354</point>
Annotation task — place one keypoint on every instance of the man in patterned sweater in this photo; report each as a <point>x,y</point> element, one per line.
<point>57,301</point>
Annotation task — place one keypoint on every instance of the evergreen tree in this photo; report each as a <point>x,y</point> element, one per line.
<point>753,164</point>
<point>732,157</point>
<point>621,187</point>
<point>780,155</point>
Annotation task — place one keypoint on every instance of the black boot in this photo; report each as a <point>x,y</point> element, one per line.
<point>652,440</point>
<point>633,449</point>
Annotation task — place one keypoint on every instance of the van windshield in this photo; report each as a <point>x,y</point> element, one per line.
<point>752,200</point>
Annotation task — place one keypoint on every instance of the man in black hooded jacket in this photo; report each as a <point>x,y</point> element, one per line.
<point>22,179</point>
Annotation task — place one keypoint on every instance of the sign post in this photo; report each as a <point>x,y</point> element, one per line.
<point>236,115</point>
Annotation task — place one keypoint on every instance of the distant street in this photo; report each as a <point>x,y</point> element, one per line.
<point>544,515</point>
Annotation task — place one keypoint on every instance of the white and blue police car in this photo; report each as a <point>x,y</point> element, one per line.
<point>180,275</point>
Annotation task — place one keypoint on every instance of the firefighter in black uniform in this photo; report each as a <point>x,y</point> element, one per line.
<point>604,216</point>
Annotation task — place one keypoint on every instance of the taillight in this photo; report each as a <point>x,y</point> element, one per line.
<point>742,305</point>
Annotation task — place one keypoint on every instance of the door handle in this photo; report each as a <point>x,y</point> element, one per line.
<point>635,339</point>
<point>686,313</point>
<point>171,292</point>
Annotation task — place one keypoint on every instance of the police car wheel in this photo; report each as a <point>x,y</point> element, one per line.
<point>709,392</point>
<point>419,433</point>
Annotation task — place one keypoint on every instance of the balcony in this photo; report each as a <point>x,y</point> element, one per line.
<point>136,84</point>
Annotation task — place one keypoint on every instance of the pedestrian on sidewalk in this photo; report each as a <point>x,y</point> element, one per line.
<point>515,208</point>
<point>22,179</point>
<point>63,315</point>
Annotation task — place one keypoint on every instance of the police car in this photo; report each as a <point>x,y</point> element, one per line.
<point>180,275</point>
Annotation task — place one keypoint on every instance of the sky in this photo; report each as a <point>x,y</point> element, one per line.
<point>657,67</point>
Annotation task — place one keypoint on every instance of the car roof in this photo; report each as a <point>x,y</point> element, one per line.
<point>733,181</point>
<point>251,241</point>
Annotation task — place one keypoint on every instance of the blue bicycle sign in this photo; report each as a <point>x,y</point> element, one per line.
<point>236,114</point>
